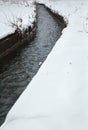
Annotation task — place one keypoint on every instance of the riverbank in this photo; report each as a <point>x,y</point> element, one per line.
<point>57,96</point>
<point>17,25</point>
<point>18,69</point>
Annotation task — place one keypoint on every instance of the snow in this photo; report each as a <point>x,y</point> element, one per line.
<point>57,97</point>
<point>13,15</point>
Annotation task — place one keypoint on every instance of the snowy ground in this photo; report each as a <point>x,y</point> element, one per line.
<point>57,97</point>
<point>15,15</point>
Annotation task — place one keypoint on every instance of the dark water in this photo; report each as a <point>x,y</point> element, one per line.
<point>17,70</point>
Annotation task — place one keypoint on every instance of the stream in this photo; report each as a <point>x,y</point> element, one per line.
<point>18,69</point>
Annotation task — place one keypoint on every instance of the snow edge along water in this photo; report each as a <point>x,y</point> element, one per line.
<point>57,96</point>
<point>63,23</point>
<point>23,30</point>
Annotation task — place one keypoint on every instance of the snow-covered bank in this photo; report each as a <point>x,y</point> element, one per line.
<point>57,96</point>
<point>15,15</point>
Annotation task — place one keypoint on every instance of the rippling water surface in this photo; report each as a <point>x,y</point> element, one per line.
<point>17,70</point>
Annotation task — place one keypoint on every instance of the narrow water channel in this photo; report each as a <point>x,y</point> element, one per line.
<point>18,69</point>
